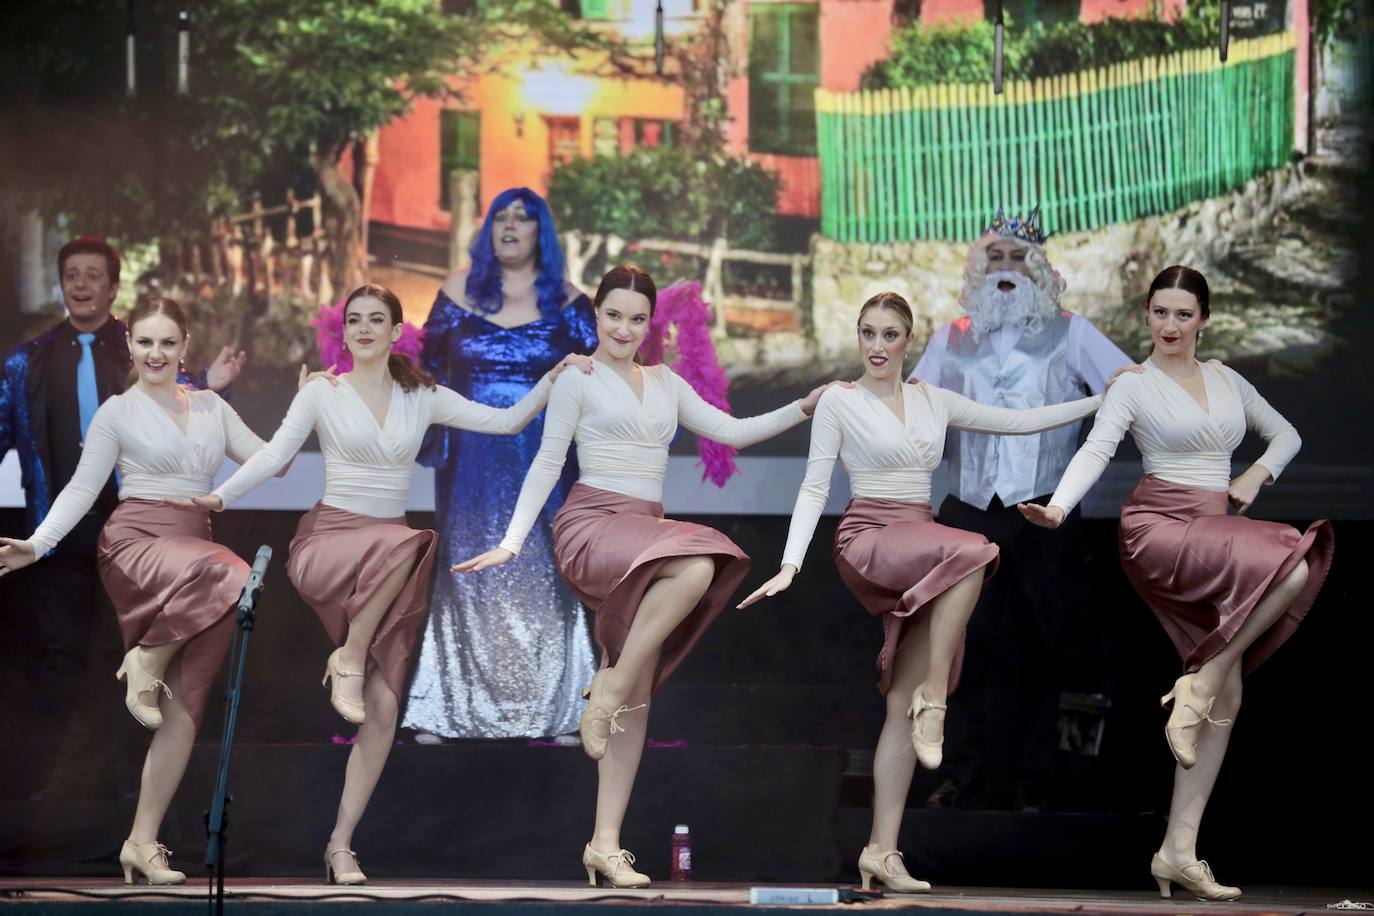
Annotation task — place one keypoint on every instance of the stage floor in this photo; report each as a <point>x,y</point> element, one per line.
<point>247,894</point>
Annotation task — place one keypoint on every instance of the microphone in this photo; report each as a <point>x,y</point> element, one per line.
<point>253,586</point>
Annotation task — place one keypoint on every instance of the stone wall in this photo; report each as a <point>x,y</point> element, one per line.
<point>1106,269</point>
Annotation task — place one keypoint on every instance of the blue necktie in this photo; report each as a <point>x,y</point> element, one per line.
<point>87,395</point>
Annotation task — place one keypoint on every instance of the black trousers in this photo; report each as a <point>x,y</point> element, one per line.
<point>1003,723</point>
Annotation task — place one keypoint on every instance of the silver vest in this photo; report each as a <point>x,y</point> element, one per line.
<point>1035,373</point>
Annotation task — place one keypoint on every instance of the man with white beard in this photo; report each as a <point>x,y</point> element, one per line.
<point>1015,348</point>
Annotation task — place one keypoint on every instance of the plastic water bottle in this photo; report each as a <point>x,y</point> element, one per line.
<point>682,854</point>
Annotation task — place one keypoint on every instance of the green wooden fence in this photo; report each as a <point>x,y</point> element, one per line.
<point>1091,148</point>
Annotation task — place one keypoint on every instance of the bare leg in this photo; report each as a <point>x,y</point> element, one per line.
<point>363,628</point>
<point>1193,787</point>
<point>667,602</point>
<point>949,614</point>
<point>156,659</point>
<point>615,773</point>
<point>1220,677</point>
<point>165,763</point>
<point>894,759</point>
<point>1275,603</point>
<point>366,760</point>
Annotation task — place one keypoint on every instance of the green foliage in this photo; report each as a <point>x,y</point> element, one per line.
<point>667,192</point>
<point>281,84</point>
<point>922,55</point>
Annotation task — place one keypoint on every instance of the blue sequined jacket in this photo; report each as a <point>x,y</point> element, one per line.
<point>23,415</point>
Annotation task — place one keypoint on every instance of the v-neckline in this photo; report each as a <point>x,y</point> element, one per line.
<point>185,433</point>
<point>1202,374</point>
<point>641,397</point>
<point>900,420</point>
<point>390,403</point>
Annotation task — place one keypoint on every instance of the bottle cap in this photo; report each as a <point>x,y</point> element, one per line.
<point>680,828</point>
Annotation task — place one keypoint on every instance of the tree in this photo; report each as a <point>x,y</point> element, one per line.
<point>300,82</point>
<point>318,80</point>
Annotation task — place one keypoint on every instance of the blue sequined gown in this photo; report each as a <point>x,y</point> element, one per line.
<point>507,650</point>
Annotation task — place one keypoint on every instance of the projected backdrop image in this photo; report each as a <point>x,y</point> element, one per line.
<point>791,158</point>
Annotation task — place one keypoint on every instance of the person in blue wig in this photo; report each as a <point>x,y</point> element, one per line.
<point>503,656</point>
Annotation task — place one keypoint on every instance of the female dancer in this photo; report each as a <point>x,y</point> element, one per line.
<point>1228,590</point>
<point>354,559</point>
<point>921,578</point>
<point>493,332</point>
<point>655,585</point>
<point>172,587</point>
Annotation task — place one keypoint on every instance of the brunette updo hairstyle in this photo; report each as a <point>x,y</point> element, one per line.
<point>1186,279</point>
<point>149,306</point>
<point>627,276</point>
<point>891,302</point>
<point>408,375</point>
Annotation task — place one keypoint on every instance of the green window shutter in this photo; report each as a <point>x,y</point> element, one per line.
<point>784,70</point>
<point>460,140</point>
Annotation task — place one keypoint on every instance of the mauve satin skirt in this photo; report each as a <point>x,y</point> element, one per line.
<point>609,547</point>
<point>1202,571</point>
<point>339,558</point>
<point>170,582</point>
<point>895,559</point>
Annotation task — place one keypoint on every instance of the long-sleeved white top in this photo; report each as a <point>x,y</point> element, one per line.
<point>367,467</point>
<point>888,459</point>
<point>622,442</point>
<point>156,460</point>
<point>1179,440</point>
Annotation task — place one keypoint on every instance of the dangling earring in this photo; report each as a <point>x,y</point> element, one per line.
<point>1199,334</point>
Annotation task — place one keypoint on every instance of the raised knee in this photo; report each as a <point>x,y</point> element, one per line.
<point>1297,578</point>
<point>698,573</point>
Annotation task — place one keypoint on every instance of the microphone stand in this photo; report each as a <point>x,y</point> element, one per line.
<point>217,819</point>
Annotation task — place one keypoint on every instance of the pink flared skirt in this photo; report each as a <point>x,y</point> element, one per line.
<point>339,559</point>
<point>895,559</point>
<point>1202,571</point>
<point>170,582</point>
<point>609,548</point>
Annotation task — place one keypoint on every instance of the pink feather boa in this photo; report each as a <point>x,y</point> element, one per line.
<point>682,306</point>
<point>333,351</point>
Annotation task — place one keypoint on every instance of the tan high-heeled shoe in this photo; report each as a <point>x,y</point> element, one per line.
<point>592,743</point>
<point>137,682</point>
<point>1195,877</point>
<point>617,868</point>
<point>1181,731</point>
<point>351,710</point>
<point>873,864</point>
<point>334,876</point>
<point>928,752</point>
<point>151,860</point>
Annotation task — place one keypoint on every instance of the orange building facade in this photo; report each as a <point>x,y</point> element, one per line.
<point>513,124</point>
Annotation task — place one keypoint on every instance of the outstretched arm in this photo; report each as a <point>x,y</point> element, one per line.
<point>1113,420</point>
<point>826,439</point>
<point>565,409</point>
<point>982,418</point>
<point>99,453</point>
<point>452,409</point>
<point>295,428</point>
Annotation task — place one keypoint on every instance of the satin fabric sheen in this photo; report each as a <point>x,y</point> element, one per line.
<point>610,546</point>
<point>170,582</point>
<point>895,559</point>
